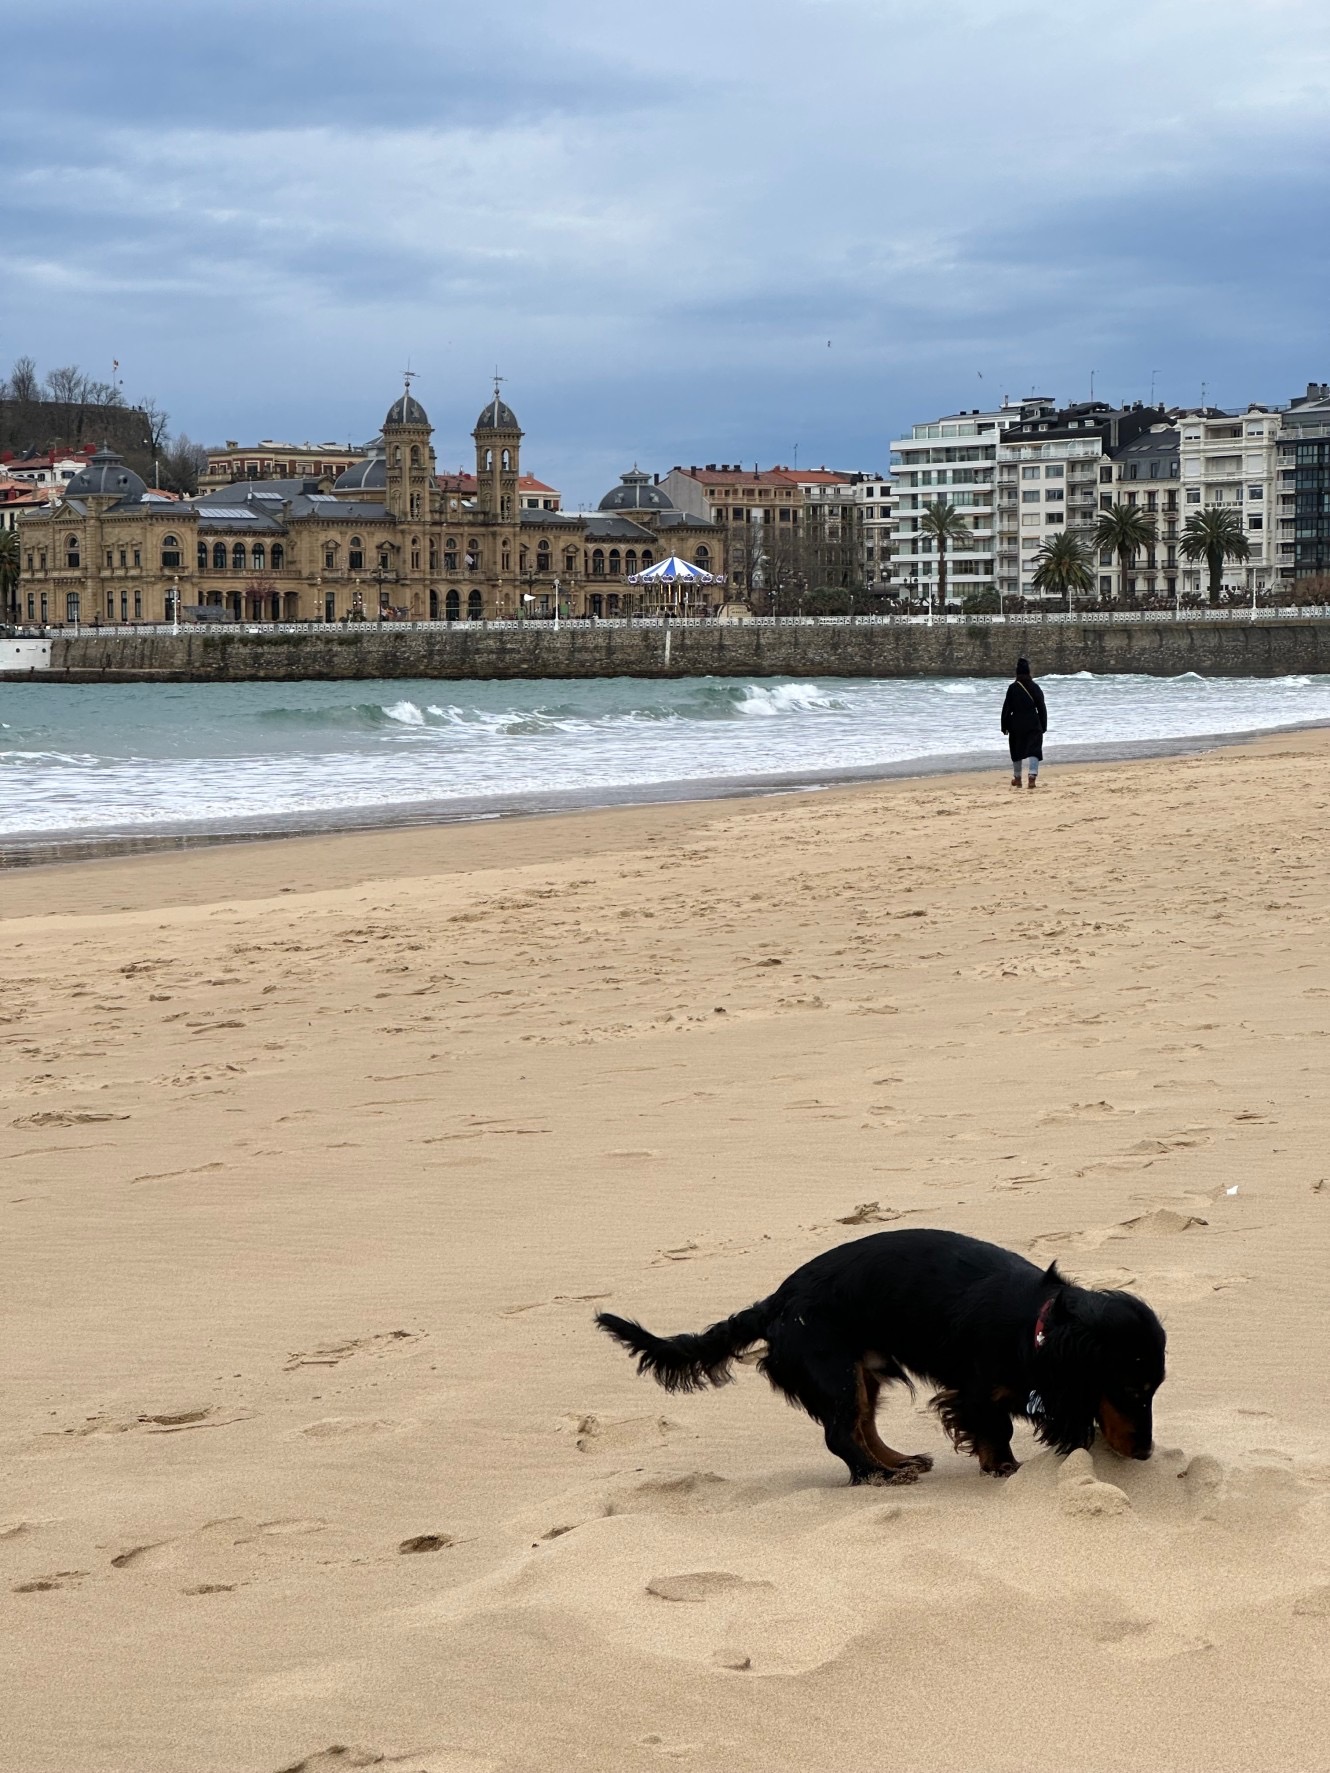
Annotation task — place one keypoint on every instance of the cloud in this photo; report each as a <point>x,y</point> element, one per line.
<point>709,234</point>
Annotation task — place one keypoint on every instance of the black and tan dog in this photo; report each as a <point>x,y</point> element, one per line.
<point>998,1336</point>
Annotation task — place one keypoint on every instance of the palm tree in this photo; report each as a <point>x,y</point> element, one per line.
<point>1062,566</point>
<point>1214,534</point>
<point>944,523</point>
<point>8,574</point>
<point>1126,529</point>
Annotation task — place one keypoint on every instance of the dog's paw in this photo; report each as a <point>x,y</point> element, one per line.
<point>921,1462</point>
<point>900,1474</point>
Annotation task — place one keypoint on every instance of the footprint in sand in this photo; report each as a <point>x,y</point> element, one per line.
<point>332,1354</point>
<point>696,1492</point>
<point>428,1542</point>
<point>66,1117</point>
<point>176,1421</point>
<point>342,1758</point>
<point>1081,1494</point>
<point>56,1580</point>
<point>702,1585</point>
<point>617,1434</point>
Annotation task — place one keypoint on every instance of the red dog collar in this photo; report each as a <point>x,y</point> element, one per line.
<point>1040,1323</point>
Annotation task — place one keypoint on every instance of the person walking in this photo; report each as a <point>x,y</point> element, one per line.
<point>1025,721</point>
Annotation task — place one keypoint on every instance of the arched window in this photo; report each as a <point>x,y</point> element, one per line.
<point>598,563</point>
<point>71,551</point>
<point>646,558</point>
<point>702,558</point>
<point>452,606</point>
<point>397,456</point>
<point>433,606</point>
<point>356,554</point>
<point>279,558</point>
<point>507,561</point>
<point>630,561</point>
<point>259,555</point>
<point>415,455</point>
<point>616,564</point>
<point>415,551</point>
<point>170,553</point>
<point>330,557</point>
<point>433,555</point>
<point>238,557</point>
<point>522,558</point>
<point>472,555</point>
<point>385,558</point>
<point>570,560</point>
<point>489,460</point>
<point>542,557</point>
<point>507,458</point>
<point>475,607</point>
<point>203,557</point>
<point>450,554</point>
<point>219,557</point>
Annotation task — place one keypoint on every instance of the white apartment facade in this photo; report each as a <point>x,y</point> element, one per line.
<point>1233,459</point>
<point>874,499</point>
<point>1045,489</point>
<point>952,458</point>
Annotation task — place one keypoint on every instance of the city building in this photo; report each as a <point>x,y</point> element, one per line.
<point>1303,509</point>
<point>1056,474</point>
<point>1233,459</point>
<point>55,468</point>
<point>270,460</point>
<point>1145,473</point>
<point>874,499</point>
<point>954,459</point>
<point>387,537</point>
<point>16,496</point>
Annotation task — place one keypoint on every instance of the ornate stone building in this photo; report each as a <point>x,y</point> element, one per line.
<point>389,537</point>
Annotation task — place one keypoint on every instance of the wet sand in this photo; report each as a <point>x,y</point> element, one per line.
<point>320,1154</point>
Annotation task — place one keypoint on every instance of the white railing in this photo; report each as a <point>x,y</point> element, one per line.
<point>584,624</point>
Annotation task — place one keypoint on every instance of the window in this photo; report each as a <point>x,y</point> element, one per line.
<point>110,606</point>
<point>356,554</point>
<point>71,551</point>
<point>598,563</point>
<point>138,557</point>
<point>71,606</point>
<point>203,557</point>
<point>170,553</point>
<point>415,551</point>
<point>570,560</point>
<point>138,604</point>
<point>616,566</point>
<point>475,607</point>
<point>450,555</point>
<point>1255,522</point>
<point>415,455</point>
<point>1029,473</point>
<point>1054,471</point>
<point>433,555</point>
<point>1193,495</point>
<point>219,556</point>
<point>543,557</point>
<point>260,557</point>
<point>1154,470</point>
<point>1054,492</point>
<point>110,559</point>
<point>123,559</point>
<point>238,557</point>
<point>1105,584</point>
<point>1133,469</point>
<point>330,557</point>
<point>1255,492</point>
<point>702,558</point>
<point>1106,476</point>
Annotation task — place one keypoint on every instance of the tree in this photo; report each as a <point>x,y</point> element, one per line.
<point>944,523</point>
<point>65,385</point>
<point>1063,567</point>
<point>1214,534</point>
<point>9,575</point>
<point>23,383</point>
<point>182,463</point>
<point>1126,529</point>
<point>157,428</point>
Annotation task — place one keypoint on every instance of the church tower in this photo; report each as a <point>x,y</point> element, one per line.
<point>498,452</point>
<point>410,460</point>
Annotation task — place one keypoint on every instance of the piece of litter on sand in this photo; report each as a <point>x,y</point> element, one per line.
<point>1232,1190</point>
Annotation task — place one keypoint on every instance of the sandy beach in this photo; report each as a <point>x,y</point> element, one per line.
<point>320,1154</point>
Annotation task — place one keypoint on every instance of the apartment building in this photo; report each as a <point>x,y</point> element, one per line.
<point>785,530</point>
<point>1145,473</point>
<point>1233,459</point>
<point>874,499</point>
<point>270,460</point>
<point>953,458</point>
<point>1056,472</point>
<point>1302,533</point>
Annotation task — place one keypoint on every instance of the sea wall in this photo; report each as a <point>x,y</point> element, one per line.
<point>1265,648</point>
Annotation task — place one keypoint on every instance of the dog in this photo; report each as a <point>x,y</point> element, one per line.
<point>999,1338</point>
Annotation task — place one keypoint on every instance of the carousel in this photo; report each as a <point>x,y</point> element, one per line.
<point>675,588</point>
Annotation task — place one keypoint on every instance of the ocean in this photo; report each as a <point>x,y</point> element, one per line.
<point>101,762</point>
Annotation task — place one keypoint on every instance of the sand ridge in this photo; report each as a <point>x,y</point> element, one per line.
<point>319,1156</point>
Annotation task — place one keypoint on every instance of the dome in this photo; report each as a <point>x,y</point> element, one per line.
<point>498,416</point>
<point>636,493</point>
<point>406,410</point>
<point>106,477</point>
<point>365,476</point>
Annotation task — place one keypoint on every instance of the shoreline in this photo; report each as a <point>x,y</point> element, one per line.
<point>22,851</point>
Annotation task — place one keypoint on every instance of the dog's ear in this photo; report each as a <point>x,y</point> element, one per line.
<point>1054,1274</point>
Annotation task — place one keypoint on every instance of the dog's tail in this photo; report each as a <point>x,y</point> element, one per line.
<point>690,1363</point>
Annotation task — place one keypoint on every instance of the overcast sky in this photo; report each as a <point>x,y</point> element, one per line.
<point>694,231</point>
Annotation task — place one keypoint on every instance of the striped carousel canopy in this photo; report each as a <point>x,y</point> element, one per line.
<point>675,572</point>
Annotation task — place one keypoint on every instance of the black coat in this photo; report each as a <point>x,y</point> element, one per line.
<point>1025,719</point>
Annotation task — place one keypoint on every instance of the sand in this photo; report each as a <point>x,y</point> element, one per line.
<point>318,1156</point>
